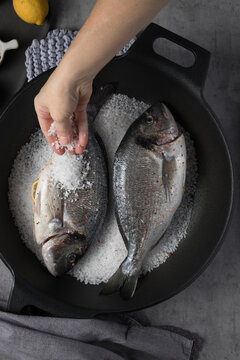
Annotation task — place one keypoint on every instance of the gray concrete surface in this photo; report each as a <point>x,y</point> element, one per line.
<point>210,307</point>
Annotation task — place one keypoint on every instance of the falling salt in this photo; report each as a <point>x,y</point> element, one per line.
<point>98,264</point>
<point>53,132</point>
<point>71,172</point>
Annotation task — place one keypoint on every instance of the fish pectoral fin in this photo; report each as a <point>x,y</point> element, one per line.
<point>168,171</point>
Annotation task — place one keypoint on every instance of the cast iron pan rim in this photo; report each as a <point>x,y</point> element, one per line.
<point>226,225</point>
<point>25,87</point>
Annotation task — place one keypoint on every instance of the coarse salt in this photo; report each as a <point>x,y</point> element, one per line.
<point>53,132</point>
<point>71,171</point>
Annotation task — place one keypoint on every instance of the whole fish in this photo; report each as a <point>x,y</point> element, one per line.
<point>65,225</point>
<point>148,184</point>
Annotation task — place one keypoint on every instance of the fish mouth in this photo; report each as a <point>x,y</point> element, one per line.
<point>52,237</point>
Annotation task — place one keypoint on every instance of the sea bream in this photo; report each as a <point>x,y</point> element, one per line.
<point>66,222</point>
<point>148,183</point>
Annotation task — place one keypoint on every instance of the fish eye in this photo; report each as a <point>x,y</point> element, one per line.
<point>72,258</point>
<point>149,119</point>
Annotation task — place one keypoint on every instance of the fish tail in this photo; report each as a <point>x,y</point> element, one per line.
<point>114,283</point>
<point>123,282</point>
<point>129,286</point>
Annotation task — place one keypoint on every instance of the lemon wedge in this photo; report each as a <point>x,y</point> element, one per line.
<point>33,189</point>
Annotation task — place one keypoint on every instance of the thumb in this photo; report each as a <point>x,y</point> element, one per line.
<point>63,127</point>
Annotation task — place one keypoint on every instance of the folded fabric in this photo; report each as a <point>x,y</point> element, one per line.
<point>6,284</point>
<point>47,53</point>
<point>25,337</point>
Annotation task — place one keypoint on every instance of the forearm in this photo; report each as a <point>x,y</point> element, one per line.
<point>110,25</point>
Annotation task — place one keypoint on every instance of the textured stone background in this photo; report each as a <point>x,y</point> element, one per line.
<point>211,305</point>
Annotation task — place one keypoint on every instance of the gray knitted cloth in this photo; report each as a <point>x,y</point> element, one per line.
<point>47,53</point>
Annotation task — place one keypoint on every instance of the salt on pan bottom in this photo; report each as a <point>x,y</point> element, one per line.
<point>108,251</point>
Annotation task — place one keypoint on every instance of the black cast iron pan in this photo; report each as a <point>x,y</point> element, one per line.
<point>147,76</point>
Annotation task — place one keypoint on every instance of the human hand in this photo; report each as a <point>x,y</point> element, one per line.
<point>108,28</point>
<point>60,100</point>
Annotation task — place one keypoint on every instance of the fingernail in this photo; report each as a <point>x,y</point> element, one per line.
<point>79,149</point>
<point>64,140</point>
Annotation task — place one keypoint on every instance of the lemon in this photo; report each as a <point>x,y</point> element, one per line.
<point>31,11</point>
<point>33,189</point>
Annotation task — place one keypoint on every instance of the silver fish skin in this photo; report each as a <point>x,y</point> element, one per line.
<point>148,184</point>
<point>65,227</point>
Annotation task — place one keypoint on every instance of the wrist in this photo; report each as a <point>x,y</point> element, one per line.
<point>74,69</point>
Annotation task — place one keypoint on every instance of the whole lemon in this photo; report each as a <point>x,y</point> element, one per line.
<point>31,11</point>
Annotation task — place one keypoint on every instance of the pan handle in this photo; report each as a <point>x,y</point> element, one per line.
<point>23,297</point>
<point>18,298</point>
<point>196,74</point>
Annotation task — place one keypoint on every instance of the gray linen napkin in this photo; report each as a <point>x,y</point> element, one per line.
<point>24,337</point>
